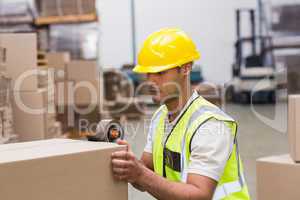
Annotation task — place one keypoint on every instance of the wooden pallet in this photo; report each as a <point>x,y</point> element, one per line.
<point>66,19</point>
<point>42,63</point>
<point>41,59</point>
<point>41,55</point>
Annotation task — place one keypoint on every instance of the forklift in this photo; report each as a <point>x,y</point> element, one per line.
<point>254,68</point>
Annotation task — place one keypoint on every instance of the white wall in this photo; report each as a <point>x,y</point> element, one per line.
<point>115,23</point>
<point>210,23</point>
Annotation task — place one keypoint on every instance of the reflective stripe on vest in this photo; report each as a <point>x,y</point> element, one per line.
<point>227,189</point>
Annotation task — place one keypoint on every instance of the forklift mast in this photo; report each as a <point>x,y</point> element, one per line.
<point>254,62</point>
<point>253,27</point>
<point>256,57</point>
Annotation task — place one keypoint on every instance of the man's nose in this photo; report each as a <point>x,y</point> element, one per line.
<point>152,82</point>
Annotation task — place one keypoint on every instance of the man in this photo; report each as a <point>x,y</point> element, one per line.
<point>191,152</point>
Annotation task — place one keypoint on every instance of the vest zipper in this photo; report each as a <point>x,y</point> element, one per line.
<point>164,152</point>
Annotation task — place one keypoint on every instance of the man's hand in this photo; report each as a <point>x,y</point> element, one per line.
<point>125,166</point>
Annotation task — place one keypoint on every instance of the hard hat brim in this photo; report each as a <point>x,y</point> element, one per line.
<point>156,69</point>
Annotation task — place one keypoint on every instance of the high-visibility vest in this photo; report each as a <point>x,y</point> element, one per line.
<point>172,155</point>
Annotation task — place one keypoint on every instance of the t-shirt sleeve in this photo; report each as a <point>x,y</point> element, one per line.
<point>211,147</point>
<point>149,143</point>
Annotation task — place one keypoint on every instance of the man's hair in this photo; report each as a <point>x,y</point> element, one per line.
<point>178,68</point>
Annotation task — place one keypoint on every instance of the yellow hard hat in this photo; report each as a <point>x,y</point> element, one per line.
<point>166,49</point>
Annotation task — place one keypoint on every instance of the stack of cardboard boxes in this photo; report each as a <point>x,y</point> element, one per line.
<point>59,169</point>
<point>112,84</point>
<point>293,73</point>
<point>15,16</point>
<point>21,59</point>
<point>287,18</point>
<point>6,117</point>
<point>46,79</point>
<point>76,88</point>
<point>80,39</point>
<point>66,7</point>
<point>3,85</point>
<point>71,25</point>
<point>33,110</point>
<point>278,177</point>
<point>15,12</point>
<point>83,77</point>
<point>77,83</point>
<point>120,99</point>
<point>6,125</point>
<point>211,92</point>
<point>57,62</point>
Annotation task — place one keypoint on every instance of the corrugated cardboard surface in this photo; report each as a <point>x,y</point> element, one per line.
<point>21,51</point>
<point>86,77</point>
<point>288,18</point>
<point>66,7</point>
<point>294,126</point>
<point>59,170</point>
<point>293,73</point>
<point>87,93</point>
<point>81,70</point>
<point>278,178</point>
<point>30,126</point>
<point>80,93</point>
<point>57,60</point>
<point>63,93</point>
<point>2,59</point>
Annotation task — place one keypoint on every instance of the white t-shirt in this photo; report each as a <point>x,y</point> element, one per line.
<point>211,146</point>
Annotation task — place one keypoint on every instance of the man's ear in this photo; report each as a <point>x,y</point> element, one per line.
<point>187,68</point>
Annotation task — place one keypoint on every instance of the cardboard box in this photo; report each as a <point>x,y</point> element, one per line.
<point>278,178</point>
<point>132,108</point>
<point>58,60</point>
<point>80,39</point>
<point>293,73</point>
<point>34,116</point>
<point>287,18</point>
<point>294,126</point>
<point>66,7</point>
<point>86,93</point>
<point>29,125</point>
<point>82,70</point>
<point>86,81</point>
<point>4,90</point>
<point>63,93</point>
<point>21,58</point>
<point>113,80</point>
<point>6,125</point>
<point>59,169</point>
<point>2,60</point>
<point>210,92</point>
<point>79,93</point>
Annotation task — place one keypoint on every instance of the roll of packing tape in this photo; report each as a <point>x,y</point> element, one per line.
<point>108,131</point>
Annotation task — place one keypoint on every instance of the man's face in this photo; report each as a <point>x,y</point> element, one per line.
<point>167,84</point>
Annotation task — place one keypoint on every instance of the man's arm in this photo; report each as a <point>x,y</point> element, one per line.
<point>147,160</point>
<point>127,168</point>
<point>197,187</point>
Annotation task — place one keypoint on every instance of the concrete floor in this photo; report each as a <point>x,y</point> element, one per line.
<point>262,132</point>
